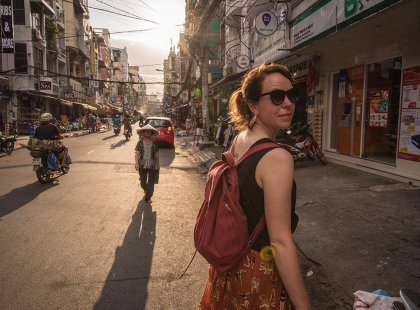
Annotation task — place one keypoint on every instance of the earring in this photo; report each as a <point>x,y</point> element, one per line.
<point>252,121</point>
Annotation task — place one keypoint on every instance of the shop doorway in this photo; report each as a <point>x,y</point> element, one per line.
<point>346,113</point>
<point>382,110</point>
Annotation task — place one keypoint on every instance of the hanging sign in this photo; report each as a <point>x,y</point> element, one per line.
<point>243,61</point>
<point>266,23</point>
<point>6,27</point>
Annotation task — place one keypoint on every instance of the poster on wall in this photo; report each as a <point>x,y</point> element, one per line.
<point>378,108</point>
<point>409,139</point>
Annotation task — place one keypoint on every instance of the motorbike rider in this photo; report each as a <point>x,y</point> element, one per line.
<point>117,120</point>
<point>127,124</point>
<point>48,131</point>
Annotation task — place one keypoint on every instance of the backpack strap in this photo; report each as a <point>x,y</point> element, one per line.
<point>229,155</point>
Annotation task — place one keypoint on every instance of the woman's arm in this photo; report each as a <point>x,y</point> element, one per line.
<point>274,174</point>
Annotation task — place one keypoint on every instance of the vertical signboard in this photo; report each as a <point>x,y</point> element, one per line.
<point>6,29</point>
<point>409,139</point>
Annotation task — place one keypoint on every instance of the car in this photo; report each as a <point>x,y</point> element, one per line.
<point>165,127</point>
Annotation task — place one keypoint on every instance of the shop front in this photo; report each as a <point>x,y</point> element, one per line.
<point>367,85</point>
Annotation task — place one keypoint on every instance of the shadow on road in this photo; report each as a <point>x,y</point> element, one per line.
<point>166,156</point>
<point>19,197</point>
<point>126,284</point>
<point>118,144</point>
<point>109,137</point>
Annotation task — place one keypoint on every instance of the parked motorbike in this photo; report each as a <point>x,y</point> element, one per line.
<point>117,130</point>
<point>410,298</point>
<point>301,144</point>
<point>221,126</point>
<point>127,134</point>
<point>43,167</point>
<point>7,143</point>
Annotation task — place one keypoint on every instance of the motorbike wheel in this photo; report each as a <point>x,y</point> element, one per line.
<point>10,146</point>
<point>321,156</point>
<point>42,175</point>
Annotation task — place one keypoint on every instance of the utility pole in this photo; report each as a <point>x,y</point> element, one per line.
<point>205,85</point>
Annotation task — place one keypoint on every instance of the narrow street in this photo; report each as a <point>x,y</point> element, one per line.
<point>88,240</point>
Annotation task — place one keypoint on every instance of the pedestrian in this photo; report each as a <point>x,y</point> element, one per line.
<point>91,123</point>
<point>147,160</point>
<point>98,123</point>
<point>110,122</point>
<point>198,131</point>
<point>188,125</point>
<point>268,276</point>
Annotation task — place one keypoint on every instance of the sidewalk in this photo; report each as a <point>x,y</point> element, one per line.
<point>357,231</point>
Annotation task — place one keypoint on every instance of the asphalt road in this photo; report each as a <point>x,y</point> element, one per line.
<point>89,241</point>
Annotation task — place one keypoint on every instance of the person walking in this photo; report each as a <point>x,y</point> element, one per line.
<point>110,122</point>
<point>198,131</point>
<point>147,160</point>
<point>269,275</point>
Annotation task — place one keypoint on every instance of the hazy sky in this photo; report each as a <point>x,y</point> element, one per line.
<point>146,47</point>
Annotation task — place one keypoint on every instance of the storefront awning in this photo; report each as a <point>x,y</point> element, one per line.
<point>89,107</point>
<point>229,79</point>
<point>67,103</point>
<point>82,104</point>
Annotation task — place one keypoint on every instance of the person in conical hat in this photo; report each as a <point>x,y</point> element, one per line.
<point>147,160</point>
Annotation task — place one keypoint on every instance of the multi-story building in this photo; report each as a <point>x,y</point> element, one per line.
<point>25,61</point>
<point>356,65</point>
<point>119,66</point>
<point>77,35</point>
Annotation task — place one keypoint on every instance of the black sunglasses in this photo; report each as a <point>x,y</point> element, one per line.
<point>277,96</point>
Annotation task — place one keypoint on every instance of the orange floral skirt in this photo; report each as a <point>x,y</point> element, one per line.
<point>253,284</point>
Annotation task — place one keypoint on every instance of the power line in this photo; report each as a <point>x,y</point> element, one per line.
<point>124,11</point>
<point>128,16</point>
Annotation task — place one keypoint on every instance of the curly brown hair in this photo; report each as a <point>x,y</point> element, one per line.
<point>250,90</point>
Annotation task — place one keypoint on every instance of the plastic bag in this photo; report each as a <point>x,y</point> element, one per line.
<point>52,161</point>
<point>365,300</point>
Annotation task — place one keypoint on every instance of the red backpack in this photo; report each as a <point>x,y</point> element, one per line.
<point>221,230</point>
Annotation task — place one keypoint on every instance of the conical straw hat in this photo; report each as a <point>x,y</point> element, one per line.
<point>155,132</point>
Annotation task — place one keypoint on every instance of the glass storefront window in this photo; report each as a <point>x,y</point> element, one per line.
<point>382,110</point>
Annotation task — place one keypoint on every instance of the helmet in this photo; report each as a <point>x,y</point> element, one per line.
<point>46,118</point>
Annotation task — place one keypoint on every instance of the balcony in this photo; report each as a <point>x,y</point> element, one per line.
<point>81,5</point>
<point>47,4</point>
<point>37,35</point>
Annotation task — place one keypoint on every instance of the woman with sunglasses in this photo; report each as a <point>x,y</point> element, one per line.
<point>269,276</point>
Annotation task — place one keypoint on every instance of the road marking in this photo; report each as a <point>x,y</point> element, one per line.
<point>90,151</point>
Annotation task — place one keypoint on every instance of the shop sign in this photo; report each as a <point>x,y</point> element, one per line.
<point>5,94</point>
<point>351,8</point>
<point>118,100</point>
<point>68,93</point>
<point>409,139</point>
<point>313,22</point>
<point>327,16</point>
<point>266,23</point>
<point>45,85</point>
<point>243,61</point>
<point>6,27</point>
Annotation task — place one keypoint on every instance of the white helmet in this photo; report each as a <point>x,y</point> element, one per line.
<point>46,118</point>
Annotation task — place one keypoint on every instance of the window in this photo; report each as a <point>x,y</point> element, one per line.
<point>21,58</point>
<point>38,62</point>
<point>36,21</point>
<point>158,123</point>
<point>19,12</point>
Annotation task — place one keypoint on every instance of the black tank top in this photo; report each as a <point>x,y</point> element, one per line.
<point>252,196</point>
